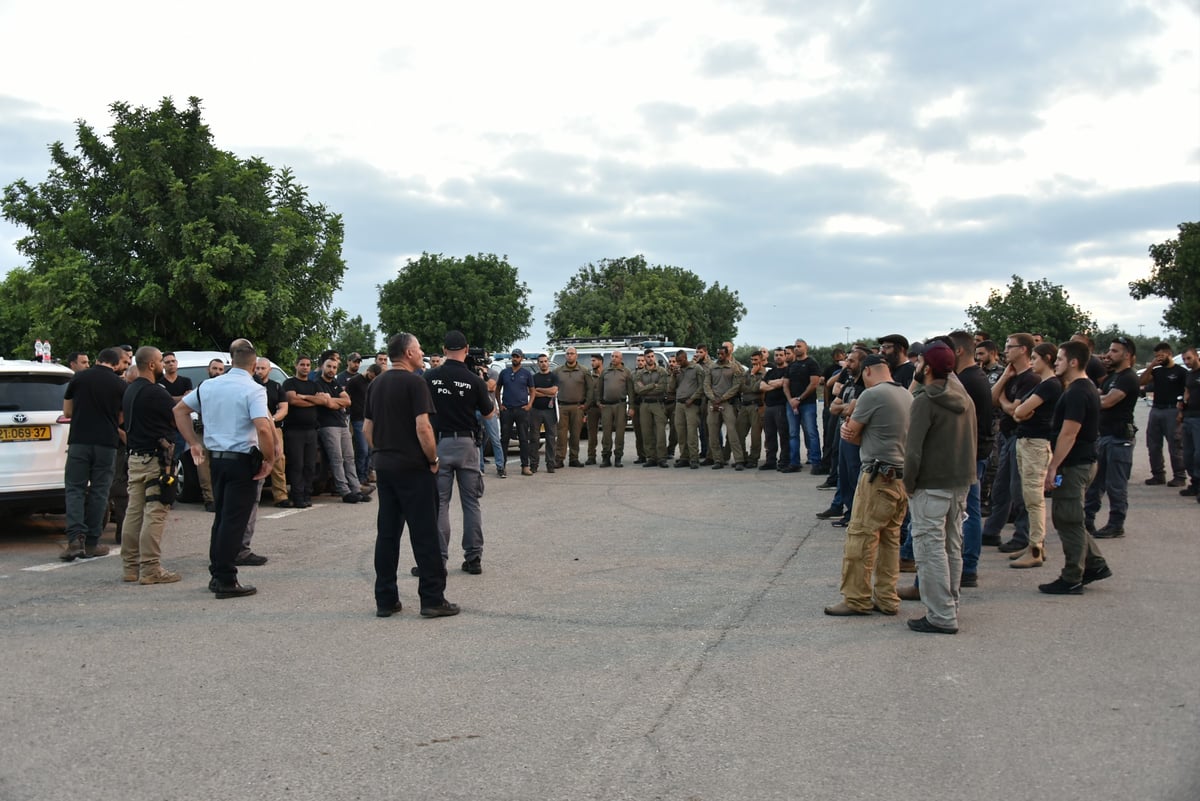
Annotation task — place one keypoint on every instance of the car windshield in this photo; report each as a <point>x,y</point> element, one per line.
<point>32,393</point>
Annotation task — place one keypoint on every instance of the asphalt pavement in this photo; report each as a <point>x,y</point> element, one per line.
<point>636,634</point>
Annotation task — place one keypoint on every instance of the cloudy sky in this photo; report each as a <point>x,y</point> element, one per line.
<point>877,165</point>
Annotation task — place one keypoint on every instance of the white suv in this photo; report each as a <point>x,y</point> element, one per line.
<point>33,436</point>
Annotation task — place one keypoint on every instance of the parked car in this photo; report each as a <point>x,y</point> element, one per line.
<point>33,436</point>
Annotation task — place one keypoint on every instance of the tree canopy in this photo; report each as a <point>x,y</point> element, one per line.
<point>627,296</point>
<point>479,295</point>
<point>1176,277</point>
<point>1038,307</point>
<point>152,235</point>
<point>351,335</point>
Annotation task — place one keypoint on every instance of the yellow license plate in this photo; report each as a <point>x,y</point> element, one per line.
<point>24,433</point>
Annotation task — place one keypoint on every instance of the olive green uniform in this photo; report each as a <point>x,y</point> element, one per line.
<point>723,387</point>
<point>574,392</point>
<point>688,385</point>
<point>616,386</point>
<point>650,387</point>
<point>749,419</point>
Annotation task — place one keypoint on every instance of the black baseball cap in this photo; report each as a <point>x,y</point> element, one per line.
<point>455,340</point>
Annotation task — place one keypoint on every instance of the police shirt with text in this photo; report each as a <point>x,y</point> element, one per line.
<point>457,394</point>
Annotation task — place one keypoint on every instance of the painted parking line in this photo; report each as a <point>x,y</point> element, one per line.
<point>59,564</point>
<point>284,513</point>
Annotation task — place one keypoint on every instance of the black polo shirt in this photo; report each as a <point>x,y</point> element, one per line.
<point>149,416</point>
<point>181,386</point>
<point>800,375</point>
<point>1114,421</point>
<point>457,394</point>
<point>396,398</point>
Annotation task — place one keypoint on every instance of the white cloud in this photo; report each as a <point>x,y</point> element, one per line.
<point>812,149</point>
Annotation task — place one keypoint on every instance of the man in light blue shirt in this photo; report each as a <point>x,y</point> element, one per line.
<point>241,445</point>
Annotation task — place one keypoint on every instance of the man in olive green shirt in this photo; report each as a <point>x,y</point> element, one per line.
<point>616,387</point>
<point>650,387</point>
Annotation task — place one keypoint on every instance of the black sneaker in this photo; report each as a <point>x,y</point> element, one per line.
<point>1013,545</point>
<point>768,466</point>
<point>234,590</point>
<point>923,625</point>
<point>1155,480</point>
<point>1060,587</point>
<point>992,540</point>
<point>350,497</point>
<point>820,471</point>
<point>1099,574</point>
<point>827,487</point>
<point>830,513</point>
<point>1190,491</point>
<point>473,567</point>
<point>1110,532</point>
<point>250,560</point>
<point>969,580</point>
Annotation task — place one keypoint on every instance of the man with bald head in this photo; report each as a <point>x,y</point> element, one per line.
<point>149,425</point>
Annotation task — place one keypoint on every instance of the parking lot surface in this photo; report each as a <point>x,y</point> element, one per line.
<point>636,634</point>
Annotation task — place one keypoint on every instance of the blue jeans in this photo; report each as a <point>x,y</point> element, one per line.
<point>362,451</point>
<point>812,432</point>
<point>972,527</point>
<point>793,418</point>
<point>1114,461</point>
<point>491,426</point>
<point>849,467</point>
<point>88,476</point>
<point>1191,447</point>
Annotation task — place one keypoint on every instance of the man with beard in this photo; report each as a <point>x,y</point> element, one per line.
<point>775,411</point>
<point>1114,451</point>
<point>278,409</point>
<point>1167,380</point>
<point>334,434</point>
<point>300,434</point>
<point>894,349</point>
<point>149,422</point>
<point>1017,381</point>
<point>687,384</point>
<point>804,380</point>
<point>871,562</point>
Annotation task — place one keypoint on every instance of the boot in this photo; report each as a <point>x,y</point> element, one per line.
<point>1032,558</point>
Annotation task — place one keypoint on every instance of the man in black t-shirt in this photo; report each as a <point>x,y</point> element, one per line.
<point>804,380</point>
<point>1076,428</point>
<point>333,432</point>
<point>1189,419</point>
<point>93,402</point>
<point>300,434</point>
<point>544,414</point>
<point>1166,379</point>
<point>356,388</point>
<point>829,423</point>
<point>775,413</point>
<point>278,408</point>
<point>979,389</point>
<point>458,393</point>
<point>149,422</point>
<point>399,429</point>
<point>1114,450</point>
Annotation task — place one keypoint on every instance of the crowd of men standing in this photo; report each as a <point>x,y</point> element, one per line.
<point>931,449</point>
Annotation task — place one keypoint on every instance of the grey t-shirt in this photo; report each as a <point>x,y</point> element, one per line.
<point>883,411</point>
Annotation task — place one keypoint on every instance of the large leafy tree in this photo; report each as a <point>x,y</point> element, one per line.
<point>350,335</point>
<point>480,295</point>
<point>152,235</point>
<point>1037,307</point>
<point>1176,277</point>
<point>627,296</point>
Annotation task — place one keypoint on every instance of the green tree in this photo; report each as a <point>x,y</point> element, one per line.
<point>351,335</point>
<point>153,235</point>
<point>1038,307</point>
<point>480,295</point>
<point>627,296</point>
<point>1176,277</point>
